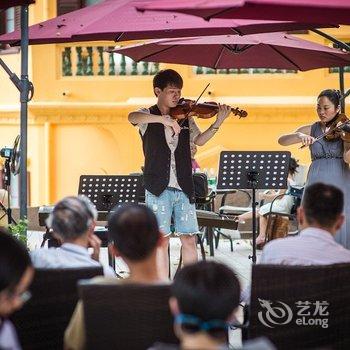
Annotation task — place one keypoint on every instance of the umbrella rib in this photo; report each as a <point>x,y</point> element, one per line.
<point>217,13</point>
<point>285,57</point>
<point>236,49</point>
<point>219,56</point>
<point>157,52</point>
<point>119,36</point>
<point>236,31</point>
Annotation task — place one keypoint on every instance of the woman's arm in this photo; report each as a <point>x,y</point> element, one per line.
<point>302,135</point>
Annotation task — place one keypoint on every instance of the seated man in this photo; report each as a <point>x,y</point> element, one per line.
<point>320,216</point>
<point>16,273</point>
<point>204,299</point>
<point>136,238</point>
<point>73,221</point>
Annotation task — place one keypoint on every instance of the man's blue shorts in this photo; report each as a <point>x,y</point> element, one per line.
<point>173,203</point>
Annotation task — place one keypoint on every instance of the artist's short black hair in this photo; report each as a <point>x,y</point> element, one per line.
<point>134,230</point>
<point>207,290</point>
<point>322,204</point>
<point>14,260</point>
<point>167,77</point>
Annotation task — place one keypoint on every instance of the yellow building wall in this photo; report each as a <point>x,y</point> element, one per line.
<point>78,125</point>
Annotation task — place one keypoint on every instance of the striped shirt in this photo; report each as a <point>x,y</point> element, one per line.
<point>313,246</point>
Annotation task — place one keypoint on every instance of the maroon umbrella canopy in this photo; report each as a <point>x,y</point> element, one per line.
<point>321,11</point>
<point>118,20</point>
<point>272,50</point>
<point>5,4</point>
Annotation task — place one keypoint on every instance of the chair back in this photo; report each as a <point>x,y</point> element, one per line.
<point>299,307</point>
<point>126,316</point>
<point>43,319</point>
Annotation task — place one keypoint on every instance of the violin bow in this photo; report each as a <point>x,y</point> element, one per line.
<point>325,134</point>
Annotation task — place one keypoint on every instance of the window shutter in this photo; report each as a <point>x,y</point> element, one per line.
<point>65,6</point>
<point>17,17</point>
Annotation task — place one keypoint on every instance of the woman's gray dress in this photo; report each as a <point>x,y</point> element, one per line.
<point>329,167</point>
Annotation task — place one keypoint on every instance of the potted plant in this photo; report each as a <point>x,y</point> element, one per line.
<point>19,230</point>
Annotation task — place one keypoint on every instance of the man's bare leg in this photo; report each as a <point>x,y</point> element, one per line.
<point>163,259</point>
<point>189,249</point>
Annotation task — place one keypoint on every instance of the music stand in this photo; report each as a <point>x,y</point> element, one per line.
<point>253,170</point>
<point>107,192</point>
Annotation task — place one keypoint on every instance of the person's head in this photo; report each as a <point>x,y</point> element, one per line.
<point>328,105</point>
<point>322,207</point>
<point>293,166</point>
<point>204,297</point>
<point>72,218</point>
<point>134,231</point>
<point>167,85</point>
<point>16,273</point>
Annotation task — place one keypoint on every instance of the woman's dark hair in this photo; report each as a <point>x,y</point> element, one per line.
<point>14,260</point>
<point>208,291</point>
<point>333,96</point>
<point>293,166</point>
<point>167,77</point>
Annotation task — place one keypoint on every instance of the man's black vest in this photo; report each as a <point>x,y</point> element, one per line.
<point>157,159</point>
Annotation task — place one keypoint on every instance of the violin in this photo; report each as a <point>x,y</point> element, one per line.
<point>188,108</point>
<point>339,127</point>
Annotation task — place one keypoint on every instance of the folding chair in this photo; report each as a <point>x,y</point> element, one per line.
<point>43,319</point>
<point>126,316</point>
<point>300,307</point>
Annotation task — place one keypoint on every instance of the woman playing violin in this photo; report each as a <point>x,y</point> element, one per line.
<point>167,170</point>
<point>330,158</point>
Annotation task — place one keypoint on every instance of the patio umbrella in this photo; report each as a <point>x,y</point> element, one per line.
<point>333,11</point>
<point>25,87</point>
<point>118,20</point>
<point>272,50</point>
<point>5,4</point>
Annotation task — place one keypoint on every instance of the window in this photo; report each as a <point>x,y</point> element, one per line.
<point>10,20</point>
<point>65,6</point>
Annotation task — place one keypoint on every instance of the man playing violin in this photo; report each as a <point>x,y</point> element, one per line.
<point>167,171</point>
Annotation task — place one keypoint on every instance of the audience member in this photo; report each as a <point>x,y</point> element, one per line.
<point>204,300</point>
<point>135,234</point>
<point>320,216</point>
<point>73,222</point>
<point>16,273</point>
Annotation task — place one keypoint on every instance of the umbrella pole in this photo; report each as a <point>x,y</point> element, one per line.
<point>342,89</point>
<point>344,46</point>
<point>24,111</point>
